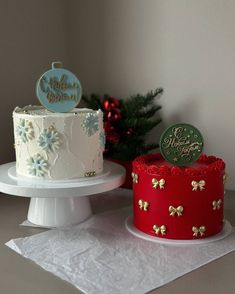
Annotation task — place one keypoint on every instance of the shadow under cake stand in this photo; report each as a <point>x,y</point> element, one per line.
<point>60,203</point>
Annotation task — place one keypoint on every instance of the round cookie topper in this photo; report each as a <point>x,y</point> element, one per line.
<point>58,89</point>
<point>181,144</point>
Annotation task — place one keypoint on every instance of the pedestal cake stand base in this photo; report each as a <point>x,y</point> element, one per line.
<point>60,203</point>
<point>58,212</point>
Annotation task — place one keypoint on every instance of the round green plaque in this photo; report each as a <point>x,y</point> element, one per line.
<point>181,144</point>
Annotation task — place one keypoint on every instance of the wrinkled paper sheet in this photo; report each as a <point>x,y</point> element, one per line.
<point>101,256</point>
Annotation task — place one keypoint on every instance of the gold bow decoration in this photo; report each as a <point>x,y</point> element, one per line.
<point>216,204</point>
<point>198,185</point>
<point>225,177</point>
<point>135,177</point>
<point>90,174</point>
<point>157,183</point>
<point>143,204</point>
<point>176,210</point>
<point>199,230</point>
<point>159,230</point>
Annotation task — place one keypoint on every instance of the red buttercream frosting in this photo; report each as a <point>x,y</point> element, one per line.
<point>178,202</point>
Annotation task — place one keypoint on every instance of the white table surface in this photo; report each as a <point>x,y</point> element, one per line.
<point>21,276</point>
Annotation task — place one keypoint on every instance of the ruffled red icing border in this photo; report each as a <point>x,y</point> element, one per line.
<point>212,164</point>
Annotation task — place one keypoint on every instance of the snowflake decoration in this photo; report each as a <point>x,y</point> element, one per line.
<point>102,140</point>
<point>37,165</point>
<point>49,140</point>
<point>90,124</point>
<point>24,130</point>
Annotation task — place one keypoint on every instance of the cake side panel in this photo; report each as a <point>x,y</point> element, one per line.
<point>169,206</point>
<point>59,147</point>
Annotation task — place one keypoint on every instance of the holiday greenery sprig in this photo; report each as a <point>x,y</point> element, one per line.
<point>127,122</point>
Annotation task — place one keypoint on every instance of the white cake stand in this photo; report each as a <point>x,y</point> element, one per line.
<point>227,229</point>
<point>60,203</point>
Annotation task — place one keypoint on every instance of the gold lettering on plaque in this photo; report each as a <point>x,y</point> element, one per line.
<point>182,144</point>
<point>55,89</point>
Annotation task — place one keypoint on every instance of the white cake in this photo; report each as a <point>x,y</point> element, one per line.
<point>58,146</point>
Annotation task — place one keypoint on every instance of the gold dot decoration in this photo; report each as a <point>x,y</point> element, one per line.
<point>90,174</point>
<point>216,204</point>
<point>159,230</point>
<point>158,184</point>
<point>52,128</point>
<point>135,177</point>
<point>144,205</point>
<point>198,231</point>
<point>17,143</point>
<point>198,186</point>
<point>176,211</point>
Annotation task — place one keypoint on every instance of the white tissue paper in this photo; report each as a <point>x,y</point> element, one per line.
<point>101,256</point>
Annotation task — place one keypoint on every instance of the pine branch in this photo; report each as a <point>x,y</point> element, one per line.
<point>135,104</point>
<point>149,112</point>
<point>136,123</point>
<point>122,151</point>
<point>140,126</point>
<point>149,147</point>
<point>137,119</point>
<point>93,102</point>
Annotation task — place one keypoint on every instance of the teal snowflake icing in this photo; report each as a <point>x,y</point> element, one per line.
<point>102,140</point>
<point>24,130</point>
<point>49,140</point>
<point>90,123</point>
<point>37,165</point>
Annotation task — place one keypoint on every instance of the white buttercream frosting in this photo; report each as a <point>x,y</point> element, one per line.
<point>58,146</point>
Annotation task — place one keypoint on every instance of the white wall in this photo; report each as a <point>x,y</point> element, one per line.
<point>33,33</point>
<point>186,46</point>
<point>123,47</point>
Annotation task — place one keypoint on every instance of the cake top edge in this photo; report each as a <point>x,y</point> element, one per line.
<point>155,164</point>
<point>38,110</point>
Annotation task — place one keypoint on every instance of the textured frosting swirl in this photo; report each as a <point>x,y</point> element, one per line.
<point>37,110</point>
<point>155,164</point>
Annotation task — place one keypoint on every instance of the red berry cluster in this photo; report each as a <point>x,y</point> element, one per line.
<point>112,113</point>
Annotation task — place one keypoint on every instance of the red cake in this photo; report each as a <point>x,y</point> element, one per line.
<point>178,202</point>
